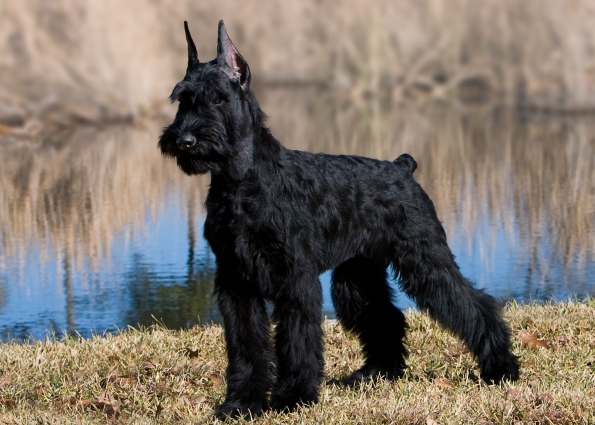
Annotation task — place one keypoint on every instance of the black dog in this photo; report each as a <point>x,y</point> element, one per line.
<point>278,218</point>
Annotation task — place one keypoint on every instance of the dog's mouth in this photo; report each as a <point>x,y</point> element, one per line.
<point>192,153</point>
<point>198,150</point>
<point>196,160</point>
<point>193,165</point>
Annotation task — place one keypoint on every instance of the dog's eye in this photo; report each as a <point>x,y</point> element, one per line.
<point>185,98</point>
<point>217,101</point>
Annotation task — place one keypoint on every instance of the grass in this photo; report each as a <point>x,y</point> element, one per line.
<point>157,375</point>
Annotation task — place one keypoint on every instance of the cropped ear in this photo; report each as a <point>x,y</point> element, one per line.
<point>192,55</point>
<point>227,52</point>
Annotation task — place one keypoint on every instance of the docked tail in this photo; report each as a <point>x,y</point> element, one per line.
<point>407,161</point>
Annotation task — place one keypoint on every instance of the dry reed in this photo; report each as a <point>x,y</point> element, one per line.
<point>69,61</point>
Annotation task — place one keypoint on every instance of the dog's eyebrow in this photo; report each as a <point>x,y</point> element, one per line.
<point>211,93</point>
<point>207,92</point>
<point>204,93</point>
<point>181,88</point>
<point>177,91</point>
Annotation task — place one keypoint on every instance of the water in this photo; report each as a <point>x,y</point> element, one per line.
<point>99,232</point>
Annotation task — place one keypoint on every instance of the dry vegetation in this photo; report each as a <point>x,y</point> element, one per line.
<point>157,375</point>
<point>68,61</point>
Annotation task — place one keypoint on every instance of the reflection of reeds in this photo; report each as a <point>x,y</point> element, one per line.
<point>534,176</point>
<point>83,61</point>
<point>77,192</point>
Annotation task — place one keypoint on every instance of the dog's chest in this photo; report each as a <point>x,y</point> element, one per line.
<point>243,226</point>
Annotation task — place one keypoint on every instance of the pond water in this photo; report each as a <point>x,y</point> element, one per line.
<point>99,232</point>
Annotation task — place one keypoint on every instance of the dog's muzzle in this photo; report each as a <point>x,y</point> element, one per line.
<point>186,141</point>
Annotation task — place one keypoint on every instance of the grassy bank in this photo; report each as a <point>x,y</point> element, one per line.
<point>164,376</point>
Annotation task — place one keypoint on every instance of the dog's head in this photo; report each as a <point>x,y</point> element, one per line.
<point>215,110</point>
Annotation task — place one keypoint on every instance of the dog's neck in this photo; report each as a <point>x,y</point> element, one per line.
<point>256,141</point>
<point>259,146</point>
<point>243,159</point>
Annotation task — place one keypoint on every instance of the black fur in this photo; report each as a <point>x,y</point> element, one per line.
<point>278,218</point>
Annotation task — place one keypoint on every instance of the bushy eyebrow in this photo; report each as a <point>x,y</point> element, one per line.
<point>205,92</point>
<point>181,88</point>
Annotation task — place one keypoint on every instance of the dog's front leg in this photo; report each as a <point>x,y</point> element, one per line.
<point>249,372</point>
<point>298,340</point>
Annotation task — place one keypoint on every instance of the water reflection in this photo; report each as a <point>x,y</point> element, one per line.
<point>180,304</point>
<point>98,231</point>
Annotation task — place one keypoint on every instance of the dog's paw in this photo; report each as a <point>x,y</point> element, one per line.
<point>496,372</point>
<point>368,374</point>
<point>289,402</point>
<point>237,409</point>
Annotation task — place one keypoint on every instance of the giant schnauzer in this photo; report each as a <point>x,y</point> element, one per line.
<point>278,218</point>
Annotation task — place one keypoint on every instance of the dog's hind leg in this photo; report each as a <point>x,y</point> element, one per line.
<point>249,373</point>
<point>429,274</point>
<point>298,340</point>
<point>363,302</point>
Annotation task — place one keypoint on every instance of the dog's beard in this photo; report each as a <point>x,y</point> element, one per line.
<point>194,166</point>
<point>191,163</point>
<point>167,143</point>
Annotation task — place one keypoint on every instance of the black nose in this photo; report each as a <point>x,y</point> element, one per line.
<point>186,141</point>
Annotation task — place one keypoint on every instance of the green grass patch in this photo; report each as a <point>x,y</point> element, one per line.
<point>157,375</point>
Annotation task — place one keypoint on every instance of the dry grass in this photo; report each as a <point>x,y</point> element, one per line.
<point>69,61</point>
<point>157,375</point>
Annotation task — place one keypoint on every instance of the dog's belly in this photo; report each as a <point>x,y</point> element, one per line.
<point>265,253</point>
